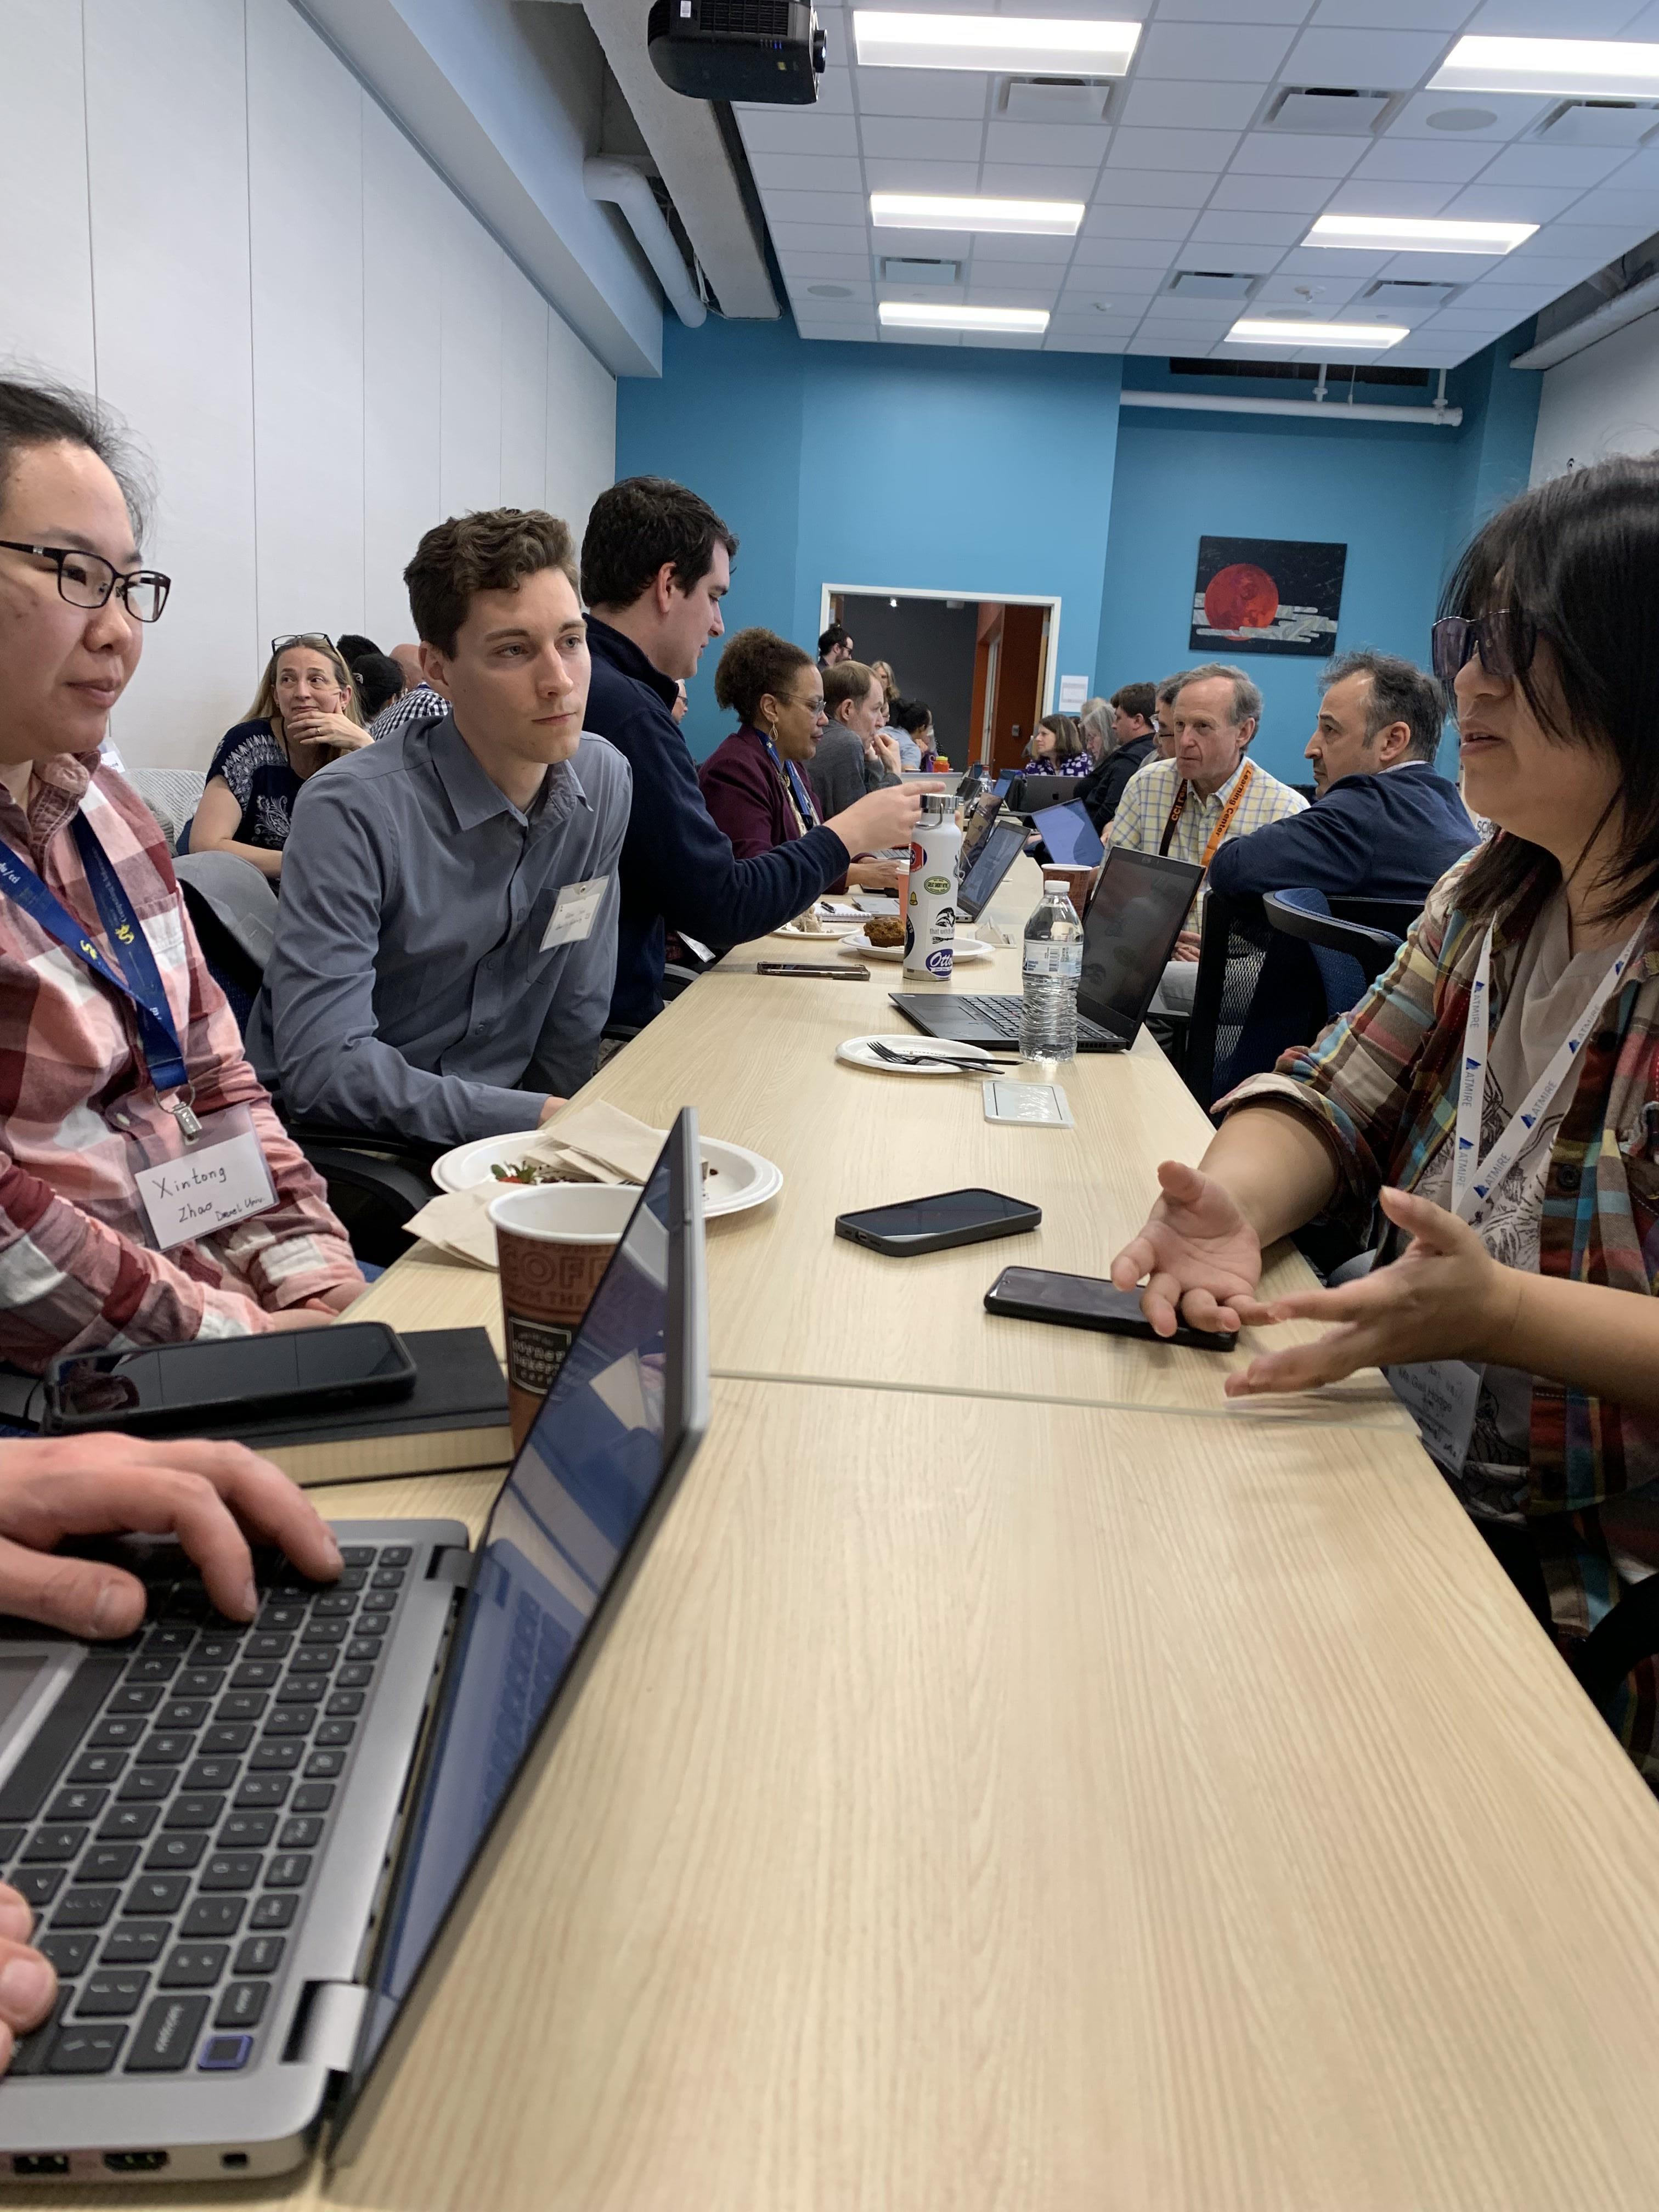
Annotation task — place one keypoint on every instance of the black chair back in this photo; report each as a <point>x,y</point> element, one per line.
<point>1255,995</point>
<point>1348,954</point>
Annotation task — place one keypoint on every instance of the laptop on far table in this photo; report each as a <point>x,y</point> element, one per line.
<point>1029,794</point>
<point>1073,840</point>
<point>1129,932</point>
<point>248,1882</point>
<point>981,877</point>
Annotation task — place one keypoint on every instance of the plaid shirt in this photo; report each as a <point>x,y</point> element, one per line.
<point>418,705</point>
<point>1148,796</point>
<point>1380,1087</point>
<point>75,1268</point>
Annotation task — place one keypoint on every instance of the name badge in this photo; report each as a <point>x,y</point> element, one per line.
<point>210,1187</point>
<point>574,912</point>
<point>1441,1397</point>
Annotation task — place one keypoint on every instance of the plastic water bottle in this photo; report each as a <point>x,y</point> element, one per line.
<point>930,903</point>
<point>1053,967</point>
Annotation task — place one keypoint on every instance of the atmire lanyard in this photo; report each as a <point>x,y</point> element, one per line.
<point>1221,828</point>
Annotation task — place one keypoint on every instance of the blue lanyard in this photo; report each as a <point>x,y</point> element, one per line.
<point>795,782</point>
<point>140,983</point>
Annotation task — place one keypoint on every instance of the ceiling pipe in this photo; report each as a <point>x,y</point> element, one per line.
<point>1600,322</point>
<point>1309,410</point>
<point>624,187</point>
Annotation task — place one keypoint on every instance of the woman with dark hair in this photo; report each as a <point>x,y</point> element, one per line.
<point>754,785</point>
<point>913,720</point>
<point>1504,1071</point>
<point>1057,747</point>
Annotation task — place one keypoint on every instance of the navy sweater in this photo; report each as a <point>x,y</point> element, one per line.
<point>1391,836</point>
<point>678,867</point>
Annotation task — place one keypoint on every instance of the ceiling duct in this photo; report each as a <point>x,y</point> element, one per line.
<point>1417,295</point>
<point>627,188</point>
<point>1337,110</point>
<point>1210,284</point>
<point>1620,124</point>
<point>1054,99</point>
<point>897,268</point>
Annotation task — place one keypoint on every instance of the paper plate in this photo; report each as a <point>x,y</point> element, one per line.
<point>966,948</point>
<point>736,1179</point>
<point>856,1053</point>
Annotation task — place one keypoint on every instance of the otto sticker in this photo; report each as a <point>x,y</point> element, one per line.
<point>937,884</point>
<point>939,962</point>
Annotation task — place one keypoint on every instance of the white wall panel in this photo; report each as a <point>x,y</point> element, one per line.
<point>306,210</point>
<point>45,243</point>
<point>404,208</point>
<point>167,124</point>
<point>523,391</point>
<point>469,271</point>
<point>581,426</point>
<point>1600,401</point>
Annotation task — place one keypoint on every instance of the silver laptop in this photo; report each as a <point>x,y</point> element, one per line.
<point>205,1814</point>
<point>981,877</point>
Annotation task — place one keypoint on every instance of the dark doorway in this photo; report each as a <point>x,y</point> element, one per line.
<point>929,644</point>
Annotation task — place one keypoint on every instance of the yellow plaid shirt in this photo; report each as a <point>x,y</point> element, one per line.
<point>1149,795</point>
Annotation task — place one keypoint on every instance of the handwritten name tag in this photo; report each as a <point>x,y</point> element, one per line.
<point>210,1187</point>
<point>575,913</point>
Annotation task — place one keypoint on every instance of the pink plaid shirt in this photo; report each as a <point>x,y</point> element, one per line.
<point>77,1267</point>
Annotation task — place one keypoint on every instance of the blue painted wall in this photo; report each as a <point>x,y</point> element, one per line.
<point>983,471</point>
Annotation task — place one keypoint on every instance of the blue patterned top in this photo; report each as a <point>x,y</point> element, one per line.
<point>252,762</point>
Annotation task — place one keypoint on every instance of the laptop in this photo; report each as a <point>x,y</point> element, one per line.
<point>983,812</point>
<point>1129,932</point>
<point>247,1917</point>
<point>981,878</point>
<point>1071,838</point>
<point>1027,793</point>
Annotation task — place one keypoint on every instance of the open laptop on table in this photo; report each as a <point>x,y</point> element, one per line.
<point>1073,840</point>
<point>982,877</point>
<point>1129,932</point>
<point>203,1814</point>
<point>1029,794</point>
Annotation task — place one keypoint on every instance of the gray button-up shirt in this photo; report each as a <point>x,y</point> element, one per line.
<point>408,992</point>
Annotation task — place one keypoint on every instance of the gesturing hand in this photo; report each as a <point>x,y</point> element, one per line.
<point>1445,1297</point>
<point>205,1494</point>
<point>1201,1258</point>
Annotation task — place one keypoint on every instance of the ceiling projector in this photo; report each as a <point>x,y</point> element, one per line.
<point>769,51</point>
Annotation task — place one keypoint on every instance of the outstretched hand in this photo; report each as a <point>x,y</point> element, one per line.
<point>1200,1258</point>
<point>1445,1297</point>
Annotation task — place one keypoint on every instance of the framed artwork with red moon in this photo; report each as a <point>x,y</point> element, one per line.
<point>1266,595</point>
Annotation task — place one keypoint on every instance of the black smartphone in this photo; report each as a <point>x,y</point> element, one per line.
<point>1090,1301</point>
<point>251,1376</point>
<point>853,975</point>
<point>934,1224</point>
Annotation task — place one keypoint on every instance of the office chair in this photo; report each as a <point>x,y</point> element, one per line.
<point>1349,954</point>
<point>1255,995</point>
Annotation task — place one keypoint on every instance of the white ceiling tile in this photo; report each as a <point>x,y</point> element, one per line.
<point>1644,26</point>
<point>1370,198</point>
<point>1061,342</point>
<point>911,176</point>
<point>1009,180</point>
<point>1171,224</point>
<point>918,138</point>
<point>1598,242</point>
<point>996,292</point>
<point>807,173</point>
<point>1561,19</point>
<point>921,337</point>
<point>1640,172</point>
<point>1459,319</point>
<point>1510,114</point>
<point>1437,268</point>
<point>1233,11</point>
<point>1402,14</point>
<point>1068,145</point>
<point>1323,266</point>
<point>810,268</point>
<point>836,310</point>
<point>991,245</point>
<point>1273,195</point>
<point>1208,151</point>
<point>921,244</point>
<point>1228,51</point>
<point>1512,202</point>
<point>1578,166</point>
<point>1443,159</point>
<point>794,130</point>
<point>1378,61</point>
<point>1614,204</point>
<point>823,238</point>
<point>1562,273</point>
<point>938,93</point>
<point>1508,298</point>
<point>1142,344</point>
<point>1287,288</point>
<point>1092,263</point>
<point>1294,154</point>
<point>1098,227</point>
<point>1234,227</point>
<point>850,210</point>
<point>1163,188</point>
<point>1164,104</point>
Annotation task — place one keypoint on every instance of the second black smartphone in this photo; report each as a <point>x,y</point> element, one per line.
<point>808,968</point>
<point>934,1224</point>
<point>1089,1302</point>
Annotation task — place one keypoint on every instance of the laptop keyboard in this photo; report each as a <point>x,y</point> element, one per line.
<point>1001,1017</point>
<point>169,1864</point>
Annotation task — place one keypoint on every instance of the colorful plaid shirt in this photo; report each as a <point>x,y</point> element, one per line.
<point>76,1268</point>
<point>1148,797</point>
<point>1380,1087</point>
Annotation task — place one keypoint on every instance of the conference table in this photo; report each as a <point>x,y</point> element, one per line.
<point>1021,1777</point>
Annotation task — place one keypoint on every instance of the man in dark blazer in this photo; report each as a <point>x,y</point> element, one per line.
<point>1384,824</point>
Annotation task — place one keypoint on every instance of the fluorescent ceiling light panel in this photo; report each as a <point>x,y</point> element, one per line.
<point>1372,337</point>
<point>1410,233</point>
<point>970,211</point>
<point>916,315</point>
<point>1586,65</point>
<point>1023,44</point>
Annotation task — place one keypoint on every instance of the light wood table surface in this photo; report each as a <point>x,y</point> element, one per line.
<point>1049,1807</point>
<point>756,1056</point>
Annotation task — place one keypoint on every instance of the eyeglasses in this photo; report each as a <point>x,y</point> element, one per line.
<point>1505,641</point>
<point>86,580</point>
<point>319,638</point>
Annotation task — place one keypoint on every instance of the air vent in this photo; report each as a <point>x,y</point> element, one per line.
<point>1210,284</point>
<point>1411,295</point>
<point>1600,123</point>
<point>895,271</point>
<point>1328,108</point>
<point>1054,99</point>
<point>752,18</point>
<point>1302,372</point>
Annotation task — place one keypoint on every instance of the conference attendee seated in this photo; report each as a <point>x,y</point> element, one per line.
<point>1132,741</point>
<point>855,754</point>
<point>447,936</point>
<point>1164,714</point>
<point>1189,807</point>
<point>380,681</point>
<point>835,645</point>
<point>1094,719</point>
<point>913,721</point>
<point>304,714</point>
<point>1384,824</point>
<point>120,1052</point>
<point>1523,1109</point>
<point>656,563</point>
<point>1056,747</point>
<point>419,701</point>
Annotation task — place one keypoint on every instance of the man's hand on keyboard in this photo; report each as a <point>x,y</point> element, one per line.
<point>207,1495</point>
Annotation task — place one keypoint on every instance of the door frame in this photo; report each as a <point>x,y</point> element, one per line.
<point>1049,599</point>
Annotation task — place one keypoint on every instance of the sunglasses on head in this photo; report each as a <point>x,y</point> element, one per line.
<point>312,637</point>
<point>1506,642</point>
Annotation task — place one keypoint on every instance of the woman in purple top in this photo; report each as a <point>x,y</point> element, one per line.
<point>1057,747</point>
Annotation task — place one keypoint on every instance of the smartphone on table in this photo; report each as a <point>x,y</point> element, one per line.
<point>809,968</point>
<point>935,1223</point>
<point>1090,1301</point>
<point>298,1371</point>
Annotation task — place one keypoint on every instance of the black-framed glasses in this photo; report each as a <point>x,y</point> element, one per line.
<point>1505,641</point>
<point>86,580</point>
<point>312,638</point>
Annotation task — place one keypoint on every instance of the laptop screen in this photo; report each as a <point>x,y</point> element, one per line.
<point>1129,932</point>
<point>989,865</point>
<point>1071,837</point>
<point>625,1409</point>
